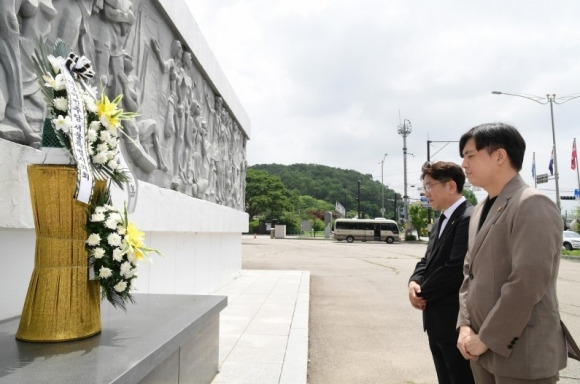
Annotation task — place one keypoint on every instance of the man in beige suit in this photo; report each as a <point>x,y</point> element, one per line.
<point>509,324</point>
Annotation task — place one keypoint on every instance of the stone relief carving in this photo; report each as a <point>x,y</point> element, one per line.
<point>185,137</point>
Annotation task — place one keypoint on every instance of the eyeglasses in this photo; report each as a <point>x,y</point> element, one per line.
<point>427,187</point>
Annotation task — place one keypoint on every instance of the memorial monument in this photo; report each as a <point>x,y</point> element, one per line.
<point>186,147</point>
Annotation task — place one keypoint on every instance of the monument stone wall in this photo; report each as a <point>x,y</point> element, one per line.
<point>187,146</point>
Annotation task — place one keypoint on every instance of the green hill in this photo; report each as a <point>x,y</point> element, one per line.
<point>335,185</point>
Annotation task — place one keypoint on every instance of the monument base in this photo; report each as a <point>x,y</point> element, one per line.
<point>175,337</point>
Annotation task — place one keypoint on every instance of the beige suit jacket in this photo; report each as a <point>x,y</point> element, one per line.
<point>508,295</point>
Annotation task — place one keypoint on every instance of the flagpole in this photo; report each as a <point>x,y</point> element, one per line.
<point>575,158</point>
<point>534,170</point>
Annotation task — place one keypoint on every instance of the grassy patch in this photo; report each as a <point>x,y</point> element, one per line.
<point>571,255</point>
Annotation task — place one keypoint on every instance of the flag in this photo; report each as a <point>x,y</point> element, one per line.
<point>551,165</point>
<point>574,156</point>
<point>534,166</point>
<point>340,209</point>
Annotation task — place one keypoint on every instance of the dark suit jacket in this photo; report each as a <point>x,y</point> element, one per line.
<point>440,273</point>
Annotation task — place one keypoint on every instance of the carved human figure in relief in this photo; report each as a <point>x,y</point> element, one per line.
<point>110,24</point>
<point>13,123</point>
<point>35,18</point>
<point>188,120</point>
<point>139,130</point>
<point>174,125</point>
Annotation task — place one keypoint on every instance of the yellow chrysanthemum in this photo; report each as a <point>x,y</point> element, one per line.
<point>134,238</point>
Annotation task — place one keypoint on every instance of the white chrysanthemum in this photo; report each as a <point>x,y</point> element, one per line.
<point>61,103</point>
<point>105,135</point>
<point>94,239</point>
<point>97,217</point>
<point>112,129</point>
<point>90,103</point>
<point>95,125</point>
<point>98,253</point>
<point>130,273</point>
<point>131,256</point>
<point>100,158</point>
<point>112,210</point>
<point>121,230</point>
<point>114,239</point>
<point>105,272</point>
<point>114,145</point>
<point>103,147</point>
<point>60,83</point>
<point>55,62</point>
<point>62,123</point>
<point>112,164</point>
<point>111,223</point>
<point>105,122</point>
<point>115,215</point>
<point>92,135</point>
<point>100,209</point>
<point>126,268</point>
<point>120,286</point>
<point>118,254</point>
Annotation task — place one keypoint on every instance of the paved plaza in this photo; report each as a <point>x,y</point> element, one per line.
<point>361,326</point>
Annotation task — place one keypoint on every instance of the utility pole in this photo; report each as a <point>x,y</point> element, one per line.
<point>382,162</point>
<point>549,99</point>
<point>404,130</point>
<point>358,200</point>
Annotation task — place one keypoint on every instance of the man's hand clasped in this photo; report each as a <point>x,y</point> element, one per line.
<point>469,343</point>
<point>416,300</point>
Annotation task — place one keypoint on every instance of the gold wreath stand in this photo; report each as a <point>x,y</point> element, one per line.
<point>62,304</point>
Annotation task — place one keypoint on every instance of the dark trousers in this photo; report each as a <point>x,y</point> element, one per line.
<point>451,367</point>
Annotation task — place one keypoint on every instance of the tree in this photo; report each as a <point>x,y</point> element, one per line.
<point>576,222</point>
<point>292,222</point>
<point>418,217</point>
<point>470,196</point>
<point>334,184</point>
<point>306,204</point>
<point>266,196</point>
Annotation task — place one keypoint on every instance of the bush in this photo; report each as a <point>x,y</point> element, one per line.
<point>318,225</point>
<point>292,222</point>
<point>254,226</point>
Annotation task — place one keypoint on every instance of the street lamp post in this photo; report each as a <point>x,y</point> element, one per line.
<point>358,200</point>
<point>382,162</point>
<point>405,130</point>
<point>549,99</point>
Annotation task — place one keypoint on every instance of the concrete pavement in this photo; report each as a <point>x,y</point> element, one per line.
<point>361,326</point>
<point>264,328</point>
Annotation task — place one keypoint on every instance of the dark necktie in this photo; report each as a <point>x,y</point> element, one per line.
<point>440,224</point>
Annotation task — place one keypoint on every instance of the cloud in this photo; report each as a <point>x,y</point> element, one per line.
<point>329,81</point>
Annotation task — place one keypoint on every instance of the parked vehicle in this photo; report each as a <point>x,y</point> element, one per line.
<point>571,240</point>
<point>366,230</point>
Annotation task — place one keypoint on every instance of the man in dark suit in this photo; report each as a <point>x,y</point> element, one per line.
<point>434,286</point>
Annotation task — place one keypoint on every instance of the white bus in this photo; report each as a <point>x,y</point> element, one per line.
<point>366,230</point>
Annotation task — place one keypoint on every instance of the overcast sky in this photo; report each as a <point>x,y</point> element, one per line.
<point>329,82</point>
